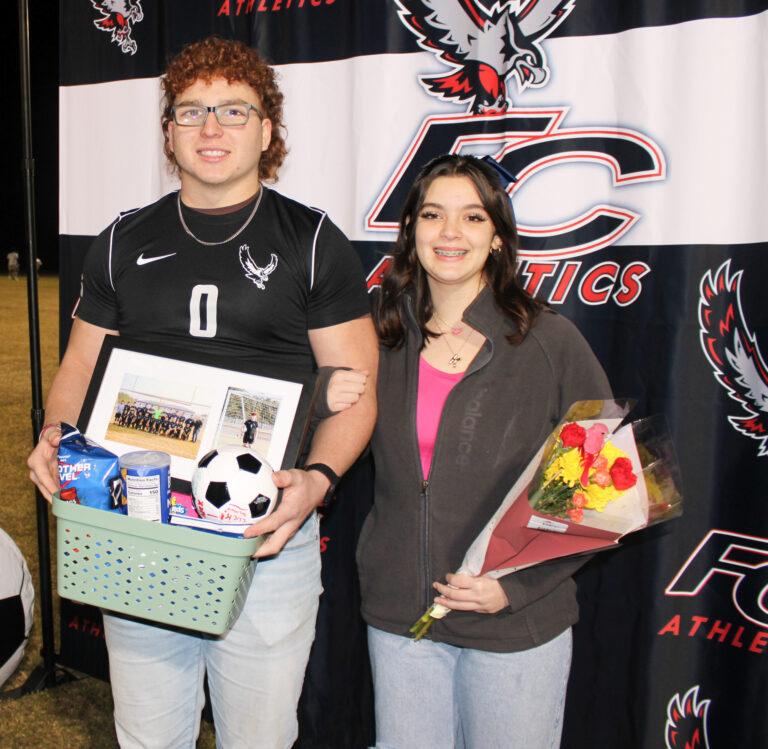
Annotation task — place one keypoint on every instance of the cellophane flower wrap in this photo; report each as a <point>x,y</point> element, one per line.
<point>592,482</point>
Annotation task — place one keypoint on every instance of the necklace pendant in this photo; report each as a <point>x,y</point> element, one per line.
<point>454,360</point>
<point>456,331</point>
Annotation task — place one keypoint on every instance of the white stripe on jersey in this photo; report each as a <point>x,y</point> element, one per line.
<point>122,215</point>
<point>323,214</point>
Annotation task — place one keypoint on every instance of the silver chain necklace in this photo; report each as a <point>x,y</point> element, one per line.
<point>228,239</point>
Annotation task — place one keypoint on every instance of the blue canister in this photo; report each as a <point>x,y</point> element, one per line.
<point>146,483</point>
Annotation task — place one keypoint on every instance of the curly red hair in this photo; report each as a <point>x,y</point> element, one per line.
<point>235,62</point>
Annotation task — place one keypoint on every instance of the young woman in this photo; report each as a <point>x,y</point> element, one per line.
<point>474,374</point>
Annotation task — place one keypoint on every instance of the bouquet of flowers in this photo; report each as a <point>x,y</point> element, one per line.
<point>592,482</point>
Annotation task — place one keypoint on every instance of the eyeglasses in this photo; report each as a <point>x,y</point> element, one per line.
<point>227,115</point>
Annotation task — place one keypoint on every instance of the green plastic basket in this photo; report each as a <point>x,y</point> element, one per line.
<point>155,571</point>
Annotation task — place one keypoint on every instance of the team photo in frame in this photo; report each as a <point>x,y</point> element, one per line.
<point>186,405</point>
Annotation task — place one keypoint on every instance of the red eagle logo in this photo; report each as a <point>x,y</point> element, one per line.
<point>484,46</point>
<point>733,352</point>
<point>117,18</point>
<point>687,721</point>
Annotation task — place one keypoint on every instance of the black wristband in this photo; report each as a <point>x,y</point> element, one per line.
<point>330,474</point>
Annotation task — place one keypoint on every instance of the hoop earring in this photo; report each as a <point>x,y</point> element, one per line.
<point>496,251</point>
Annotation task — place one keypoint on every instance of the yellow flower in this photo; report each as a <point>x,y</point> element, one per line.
<point>610,452</point>
<point>586,410</point>
<point>567,467</point>
<point>598,497</point>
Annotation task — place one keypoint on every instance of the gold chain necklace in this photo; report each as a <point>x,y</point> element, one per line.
<point>455,358</point>
<point>455,330</point>
<point>455,355</point>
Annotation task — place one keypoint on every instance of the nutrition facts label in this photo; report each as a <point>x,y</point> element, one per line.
<point>143,496</point>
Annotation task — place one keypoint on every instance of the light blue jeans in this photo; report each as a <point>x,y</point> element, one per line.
<point>255,671</point>
<point>429,694</point>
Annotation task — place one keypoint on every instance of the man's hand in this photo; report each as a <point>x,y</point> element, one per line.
<point>43,462</point>
<point>345,388</point>
<point>303,491</point>
<point>467,593</point>
<point>64,401</point>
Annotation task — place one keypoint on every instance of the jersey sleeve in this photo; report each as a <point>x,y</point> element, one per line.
<point>337,282</point>
<point>98,300</point>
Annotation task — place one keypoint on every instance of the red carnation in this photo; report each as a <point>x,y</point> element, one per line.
<point>622,475</point>
<point>573,435</point>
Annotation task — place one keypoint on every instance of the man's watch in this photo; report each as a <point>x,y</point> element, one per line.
<point>330,474</point>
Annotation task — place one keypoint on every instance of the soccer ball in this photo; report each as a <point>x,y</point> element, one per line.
<point>17,600</point>
<point>233,487</point>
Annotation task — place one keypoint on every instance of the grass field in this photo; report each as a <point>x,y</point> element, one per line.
<point>144,441</point>
<point>77,715</point>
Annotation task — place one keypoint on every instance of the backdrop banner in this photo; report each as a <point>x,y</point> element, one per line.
<point>636,132</point>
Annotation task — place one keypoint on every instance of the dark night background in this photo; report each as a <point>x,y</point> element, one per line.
<point>44,74</point>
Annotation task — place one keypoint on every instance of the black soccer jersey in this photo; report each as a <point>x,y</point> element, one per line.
<point>253,298</point>
<point>249,430</point>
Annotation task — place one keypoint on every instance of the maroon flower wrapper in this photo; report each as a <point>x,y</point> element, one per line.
<point>514,544</point>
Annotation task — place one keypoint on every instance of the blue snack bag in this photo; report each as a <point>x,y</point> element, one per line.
<point>89,474</point>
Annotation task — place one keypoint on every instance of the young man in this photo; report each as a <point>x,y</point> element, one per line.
<point>226,267</point>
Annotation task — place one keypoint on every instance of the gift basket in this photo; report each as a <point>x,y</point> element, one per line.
<point>153,421</point>
<point>154,571</point>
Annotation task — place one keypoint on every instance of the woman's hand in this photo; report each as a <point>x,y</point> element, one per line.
<point>467,593</point>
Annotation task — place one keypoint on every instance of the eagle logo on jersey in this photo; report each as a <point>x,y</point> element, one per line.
<point>117,18</point>
<point>484,46</point>
<point>687,721</point>
<point>256,273</point>
<point>733,352</point>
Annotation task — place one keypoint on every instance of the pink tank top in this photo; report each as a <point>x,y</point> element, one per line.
<point>434,387</point>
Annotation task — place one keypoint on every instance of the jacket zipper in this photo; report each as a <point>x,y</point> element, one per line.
<point>425,509</point>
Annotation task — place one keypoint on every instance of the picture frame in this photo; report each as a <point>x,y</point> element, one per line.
<point>148,396</point>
